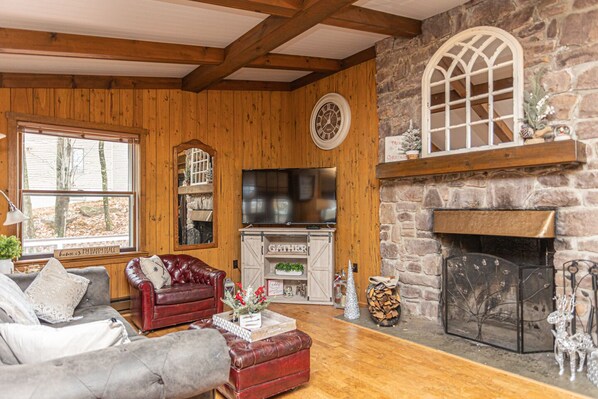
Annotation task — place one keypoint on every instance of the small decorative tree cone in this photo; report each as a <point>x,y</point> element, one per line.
<point>384,304</point>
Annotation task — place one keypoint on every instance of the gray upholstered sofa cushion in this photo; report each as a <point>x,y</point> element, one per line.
<point>98,290</point>
<point>179,365</point>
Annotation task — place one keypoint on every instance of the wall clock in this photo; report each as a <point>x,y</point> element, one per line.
<point>330,121</point>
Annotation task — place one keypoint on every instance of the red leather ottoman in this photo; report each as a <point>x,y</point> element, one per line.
<point>264,368</point>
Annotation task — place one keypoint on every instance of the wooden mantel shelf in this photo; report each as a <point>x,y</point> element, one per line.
<point>544,154</point>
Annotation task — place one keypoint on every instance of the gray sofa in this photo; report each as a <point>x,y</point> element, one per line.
<point>186,364</point>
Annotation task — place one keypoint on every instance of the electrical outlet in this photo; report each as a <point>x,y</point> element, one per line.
<point>235,264</point>
<point>354,267</point>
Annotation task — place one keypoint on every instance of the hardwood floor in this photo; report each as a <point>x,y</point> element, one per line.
<point>348,361</point>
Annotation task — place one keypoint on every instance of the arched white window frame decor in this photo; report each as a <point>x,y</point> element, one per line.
<point>473,43</point>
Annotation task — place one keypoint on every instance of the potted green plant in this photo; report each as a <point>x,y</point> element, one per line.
<point>288,269</point>
<point>412,142</point>
<point>10,248</point>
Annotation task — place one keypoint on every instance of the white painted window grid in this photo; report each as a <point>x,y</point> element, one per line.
<point>477,40</point>
<point>199,166</point>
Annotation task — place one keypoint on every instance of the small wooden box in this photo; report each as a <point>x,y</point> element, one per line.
<point>272,324</point>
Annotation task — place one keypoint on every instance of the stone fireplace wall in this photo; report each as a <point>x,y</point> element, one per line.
<point>559,35</point>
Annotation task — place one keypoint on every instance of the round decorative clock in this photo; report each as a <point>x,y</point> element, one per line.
<point>330,121</point>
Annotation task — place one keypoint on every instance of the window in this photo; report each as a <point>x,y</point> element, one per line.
<point>472,93</point>
<point>199,165</point>
<point>78,188</point>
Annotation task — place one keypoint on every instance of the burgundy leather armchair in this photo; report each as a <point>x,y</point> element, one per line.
<point>195,293</point>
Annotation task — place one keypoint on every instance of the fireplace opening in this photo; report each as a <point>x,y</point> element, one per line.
<point>497,289</point>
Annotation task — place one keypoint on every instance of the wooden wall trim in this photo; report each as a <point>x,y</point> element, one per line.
<point>56,81</point>
<point>85,262</point>
<point>50,120</point>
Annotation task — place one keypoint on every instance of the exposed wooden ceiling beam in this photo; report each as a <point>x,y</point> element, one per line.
<point>362,56</point>
<point>251,85</point>
<point>280,8</point>
<point>352,17</point>
<point>28,80</point>
<point>367,20</point>
<point>297,63</point>
<point>19,41</point>
<point>259,41</point>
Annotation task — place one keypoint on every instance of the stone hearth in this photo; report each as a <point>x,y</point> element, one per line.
<point>555,34</point>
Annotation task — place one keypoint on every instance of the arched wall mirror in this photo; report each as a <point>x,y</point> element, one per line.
<point>195,182</point>
<point>472,93</point>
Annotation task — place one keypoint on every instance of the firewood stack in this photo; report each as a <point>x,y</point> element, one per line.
<point>384,301</point>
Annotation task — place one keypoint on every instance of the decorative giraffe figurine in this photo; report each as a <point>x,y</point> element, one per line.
<point>572,345</point>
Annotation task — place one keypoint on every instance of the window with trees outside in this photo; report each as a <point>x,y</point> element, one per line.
<point>77,187</point>
<point>472,93</point>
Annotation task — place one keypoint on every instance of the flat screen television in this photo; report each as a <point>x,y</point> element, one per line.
<point>289,196</point>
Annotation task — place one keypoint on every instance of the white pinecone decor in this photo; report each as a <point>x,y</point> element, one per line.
<point>351,305</point>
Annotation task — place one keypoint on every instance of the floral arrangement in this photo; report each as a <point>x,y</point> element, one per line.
<point>246,301</point>
<point>536,109</point>
<point>10,247</point>
<point>412,140</point>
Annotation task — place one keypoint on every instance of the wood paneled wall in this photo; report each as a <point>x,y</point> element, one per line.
<point>249,130</point>
<point>358,197</point>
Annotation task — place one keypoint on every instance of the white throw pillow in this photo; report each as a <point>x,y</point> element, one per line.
<point>15,303</point>
<point>55,293</point>
<point>33,344</point>
<point>154,269</point>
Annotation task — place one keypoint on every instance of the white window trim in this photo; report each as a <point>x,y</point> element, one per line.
<point>107,135</point>
<point>199,167</point>
<point>517,51</point>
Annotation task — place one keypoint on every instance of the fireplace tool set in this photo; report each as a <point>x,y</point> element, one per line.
<point>578,302</point>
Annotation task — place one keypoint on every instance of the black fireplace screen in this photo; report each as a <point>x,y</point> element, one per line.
<point>497,302</point>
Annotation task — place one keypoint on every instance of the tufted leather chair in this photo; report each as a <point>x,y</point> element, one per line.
<point>195,293</point>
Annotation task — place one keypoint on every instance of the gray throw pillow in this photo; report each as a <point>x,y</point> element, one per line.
<point>155,271</point>
<point>55,293</point>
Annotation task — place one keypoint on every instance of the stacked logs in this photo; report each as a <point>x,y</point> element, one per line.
<point>384,304</point>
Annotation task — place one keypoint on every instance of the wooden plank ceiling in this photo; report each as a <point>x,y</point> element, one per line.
<point>286,21</point>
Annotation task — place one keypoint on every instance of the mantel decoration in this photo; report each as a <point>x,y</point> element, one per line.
<point>412,141</point>
<point>247,305</point>
<point>536,111</point>
<point>10,248</point>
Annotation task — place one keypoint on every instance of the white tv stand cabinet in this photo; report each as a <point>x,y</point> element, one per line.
<point>263,248</point>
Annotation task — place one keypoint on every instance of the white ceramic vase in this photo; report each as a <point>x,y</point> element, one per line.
<point>250,321</point>
<point>6,266</point>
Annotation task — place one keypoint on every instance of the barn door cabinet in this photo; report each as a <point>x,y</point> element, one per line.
<point>263,248</point>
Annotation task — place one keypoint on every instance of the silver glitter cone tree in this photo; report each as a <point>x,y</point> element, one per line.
<point>351,305</point>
